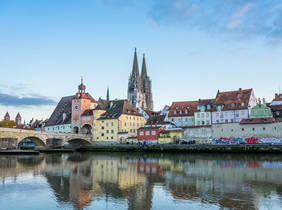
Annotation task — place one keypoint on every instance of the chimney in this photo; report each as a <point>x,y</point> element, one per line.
<point>263,102</point>
<point>276,94</point>
<point>64,116</point>
<point>240,89</point>
<point>259,100</point>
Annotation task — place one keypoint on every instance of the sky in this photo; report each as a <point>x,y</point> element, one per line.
<point>193,48</point>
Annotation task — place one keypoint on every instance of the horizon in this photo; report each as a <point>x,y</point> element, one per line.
<point>193,49</point>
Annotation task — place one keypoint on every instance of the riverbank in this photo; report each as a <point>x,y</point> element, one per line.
<point>187,148</point>
<point>19,152</point>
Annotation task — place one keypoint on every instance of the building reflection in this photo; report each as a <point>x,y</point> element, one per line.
<point>79,180</point>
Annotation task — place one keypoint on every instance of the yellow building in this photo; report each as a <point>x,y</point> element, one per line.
<point>112,118</point>
<point>170,136</point>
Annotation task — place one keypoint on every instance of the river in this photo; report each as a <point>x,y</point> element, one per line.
<point>141,181</point>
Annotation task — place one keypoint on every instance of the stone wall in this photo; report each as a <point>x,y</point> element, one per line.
<point>201,134</point>
<point>247,131</point>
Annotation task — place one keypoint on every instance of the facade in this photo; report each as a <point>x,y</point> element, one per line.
<point>182,113</point>
<point>204,112</point>
<point>82,105</point>
<point>112,118</point>
<point>7,116</point>
<point>276,106</point>
<point>260,111</point>
<point>149,134</point>
<point>233,106</point>
<point>139,93</point>
<point>149,113</point>
<point>18,119</point>
<point>160,120</point>
<point>170,136</point>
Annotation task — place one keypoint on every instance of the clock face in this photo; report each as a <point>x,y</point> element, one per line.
<point>76,107</point>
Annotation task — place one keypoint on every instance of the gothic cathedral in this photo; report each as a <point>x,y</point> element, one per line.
<point>139,93</point>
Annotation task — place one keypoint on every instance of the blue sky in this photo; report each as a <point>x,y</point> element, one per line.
<point>193,48</point>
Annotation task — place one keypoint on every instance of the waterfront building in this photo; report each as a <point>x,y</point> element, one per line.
<point>139,93</point>
<point>160,120</point>
<point>170,136</point>
<point>276,107</point>
<point>182,113</point>
<point>260,111</point>
<point>116,120</point>
<point>149,113</point>
<point>233,106</point>
<point>149,134</point>
<point>204,112</point>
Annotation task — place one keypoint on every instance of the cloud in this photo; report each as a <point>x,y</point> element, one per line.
<point>32,100</point>
<point>241,19</point>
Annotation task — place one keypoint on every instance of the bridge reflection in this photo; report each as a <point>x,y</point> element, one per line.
<point>80,179</point>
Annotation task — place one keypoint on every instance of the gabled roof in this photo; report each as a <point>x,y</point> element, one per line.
<point>88,112</point>
<point>118,107</point>
<point>278,97</point>
<point>238,99</point>
<point>159,120</point>
<point>18,115</point>
<point>7,115</point>
<point>85,96</point>
<point>183,108</point>
<point>152,113</point>
<point>64,106</point>
<point>257,120</point>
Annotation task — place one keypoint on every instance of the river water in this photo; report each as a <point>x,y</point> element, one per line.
<point>141,181</point>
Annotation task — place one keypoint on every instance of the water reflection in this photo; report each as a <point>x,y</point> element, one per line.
<point>145,181</point>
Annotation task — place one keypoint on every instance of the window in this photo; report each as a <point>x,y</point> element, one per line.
<point>203,122</point>
<point>208,106</point>
<point>180,112</point>
<point>88,118</point>
<point>242,112</point>
<point>137,124</point>
<point>174,112</point>
<point>217,121</point>
<point>226,113</point>
<point>179,119</point>
<point>141,133</point>
<point>221,120</point>
<point>233,104</point>
<point>102,134</point>
<point>112,124</point>
<point>186,112</point>
<point>134,131</point>
<point>231,113</point>
<point>130,118</point>
<point>208,122</point>
<point>84,118</point>
<point>242,129</point>
<point>202,114</point>
<point>198,114</point>
<point>186,119</point>
<point>107,124</point>
<point>253,129</point>
<point>242,104</point>
<point>130,130</point>
<point>147,133</point>
<point>112,131</point>
<point>102,128</point>
<point>153,132</point>
<point>263,129</point>
<point>107,131</point>
<point>237,114</point>
<point>130,124</point>
<point>277,113</point>
<point>172,120</point>
<point>133,124</point>
<point>232,120</point>
<point>177,107</point>
<point>217,114</point>
<point>125,124</point>
<point>198,122</point>
<point>207,114</point>
<point>112,137</point>
<point>265,112</point>
<point>226,121</point>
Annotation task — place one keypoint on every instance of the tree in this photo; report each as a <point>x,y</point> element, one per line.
<point>7,124</point>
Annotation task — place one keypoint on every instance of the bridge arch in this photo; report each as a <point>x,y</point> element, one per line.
<point>77,142</point>
<point>35,140</point>
<point>86,128</point>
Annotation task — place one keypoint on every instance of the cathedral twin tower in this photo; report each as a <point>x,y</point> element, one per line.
<point>139,93</point>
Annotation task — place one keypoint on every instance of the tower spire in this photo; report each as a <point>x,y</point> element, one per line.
<point>144,68</point>
<point>135,69</point>
<point>108,94</point>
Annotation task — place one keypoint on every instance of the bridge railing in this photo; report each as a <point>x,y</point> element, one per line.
<point>43,133</point>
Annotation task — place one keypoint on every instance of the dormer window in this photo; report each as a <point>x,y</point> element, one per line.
<point>242,104</point>
<point>233,104</point>
<point>219,107</point>
<point>198,107</point>
<point>177,107</point>
<point>186,112</point>
<point>208,106</point>
<point>180,112</point>
<point>174,112</point>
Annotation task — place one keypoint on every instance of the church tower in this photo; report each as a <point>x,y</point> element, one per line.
<point>139,93</point>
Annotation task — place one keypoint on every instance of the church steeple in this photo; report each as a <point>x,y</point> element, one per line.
<point>108,94</point>
<point>144,68</point>
<point>135,68</point>
<point>81,87</point>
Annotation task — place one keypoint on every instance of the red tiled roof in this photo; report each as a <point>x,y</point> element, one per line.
<point>150,128</point>
<point>275,107</point>
<point>233,99</point>
<point>85,96</point>
<point>257,120</point>
<point>152,113</point>
<point>7,115</point>
<point>183,108</point>
<point>278,97</point>
<point>18,115</point>
<point>159,119</point>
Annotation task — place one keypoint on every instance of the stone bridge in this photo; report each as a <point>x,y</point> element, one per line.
<point>10,137</point>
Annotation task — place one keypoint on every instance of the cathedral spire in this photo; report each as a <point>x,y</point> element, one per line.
<point>108,94</point>
<point>135,69</point>
<point>144,68</point>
